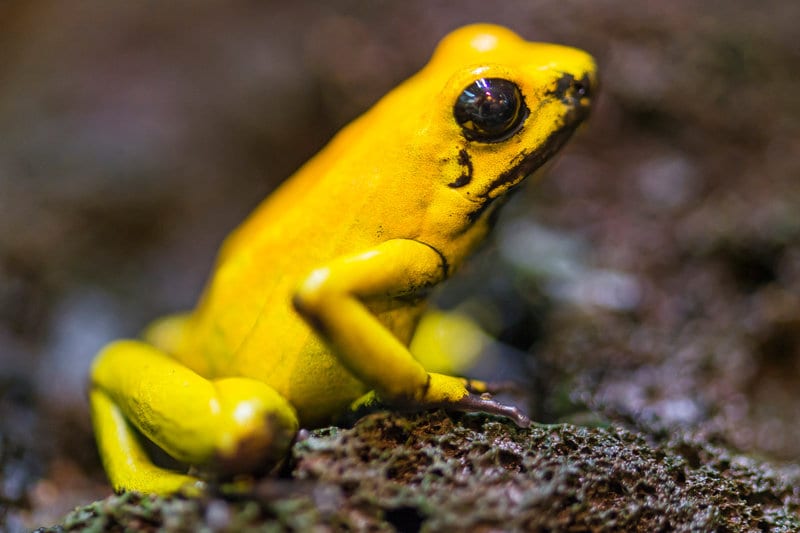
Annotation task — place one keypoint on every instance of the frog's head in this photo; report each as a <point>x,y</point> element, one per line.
<point>509,106</point>
<point>435,157</point>
<point>498,107</point>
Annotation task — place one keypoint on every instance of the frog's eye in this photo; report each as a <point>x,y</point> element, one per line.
<point>490,110</point>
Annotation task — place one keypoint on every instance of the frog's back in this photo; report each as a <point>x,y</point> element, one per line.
<point>258,267</point>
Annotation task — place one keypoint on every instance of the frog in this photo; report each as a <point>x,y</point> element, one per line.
<point>315,298</point>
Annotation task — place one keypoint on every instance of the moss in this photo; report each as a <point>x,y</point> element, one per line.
<point>433,472</point>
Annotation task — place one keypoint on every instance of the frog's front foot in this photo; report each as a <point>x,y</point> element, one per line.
<point>468,395</point>
<point>493,387</point>
<point>484,404</point>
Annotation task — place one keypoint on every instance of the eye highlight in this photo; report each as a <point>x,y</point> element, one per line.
<point>490,110</point>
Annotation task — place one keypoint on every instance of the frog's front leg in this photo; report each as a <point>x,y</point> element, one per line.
<point>226,425</point>
<point>332,300</point>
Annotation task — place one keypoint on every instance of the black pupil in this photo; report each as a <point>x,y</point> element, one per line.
<point>490,109</point>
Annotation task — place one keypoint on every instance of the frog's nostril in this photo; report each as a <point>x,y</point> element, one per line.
<point>585,87</point>
<point>581,89</point>
<point>572,90</point>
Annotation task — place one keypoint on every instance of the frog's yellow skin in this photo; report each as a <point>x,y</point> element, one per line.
<point>315,298</point>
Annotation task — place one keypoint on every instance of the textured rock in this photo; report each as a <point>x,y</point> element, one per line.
<point>431,472</point>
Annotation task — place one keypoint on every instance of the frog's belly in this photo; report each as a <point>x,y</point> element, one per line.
<point>309,376</point>
<point>277,346</point>
<point>305,370</point>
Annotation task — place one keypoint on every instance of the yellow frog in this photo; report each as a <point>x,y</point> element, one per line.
<point>316,296</point>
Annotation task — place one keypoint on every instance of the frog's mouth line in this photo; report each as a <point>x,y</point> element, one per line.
<point>527,163</point>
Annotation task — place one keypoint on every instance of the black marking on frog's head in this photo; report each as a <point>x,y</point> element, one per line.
<point>491,207</point>
<point>465,161</point>
<point>529,162</point>
<point>570,90</point>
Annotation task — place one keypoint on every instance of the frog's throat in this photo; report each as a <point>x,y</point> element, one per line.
<point>526,163</point>
<point>523,166</point>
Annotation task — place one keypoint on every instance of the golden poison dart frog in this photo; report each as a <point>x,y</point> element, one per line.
<point>315,298</point>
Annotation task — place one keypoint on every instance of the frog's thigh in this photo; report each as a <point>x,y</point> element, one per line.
<point>230,424</point>
<point>448,342</point>
<point>167,332</point>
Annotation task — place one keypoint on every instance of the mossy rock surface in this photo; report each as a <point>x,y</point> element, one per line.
<point>434,472</point>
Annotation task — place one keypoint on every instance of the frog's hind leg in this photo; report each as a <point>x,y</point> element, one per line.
<point>125,460</point>
<point>448,342</point>
<point>167,333</point>
<point>227,425</point>
<point>451,342</point>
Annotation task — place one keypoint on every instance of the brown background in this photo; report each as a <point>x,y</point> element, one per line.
<point>133,137</point>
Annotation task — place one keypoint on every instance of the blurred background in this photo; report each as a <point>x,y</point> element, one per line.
<point>653,279</point>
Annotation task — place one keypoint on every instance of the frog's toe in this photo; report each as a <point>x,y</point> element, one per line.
<point>477,386</point>
<point>484,404</point>
<point>494,387</point>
